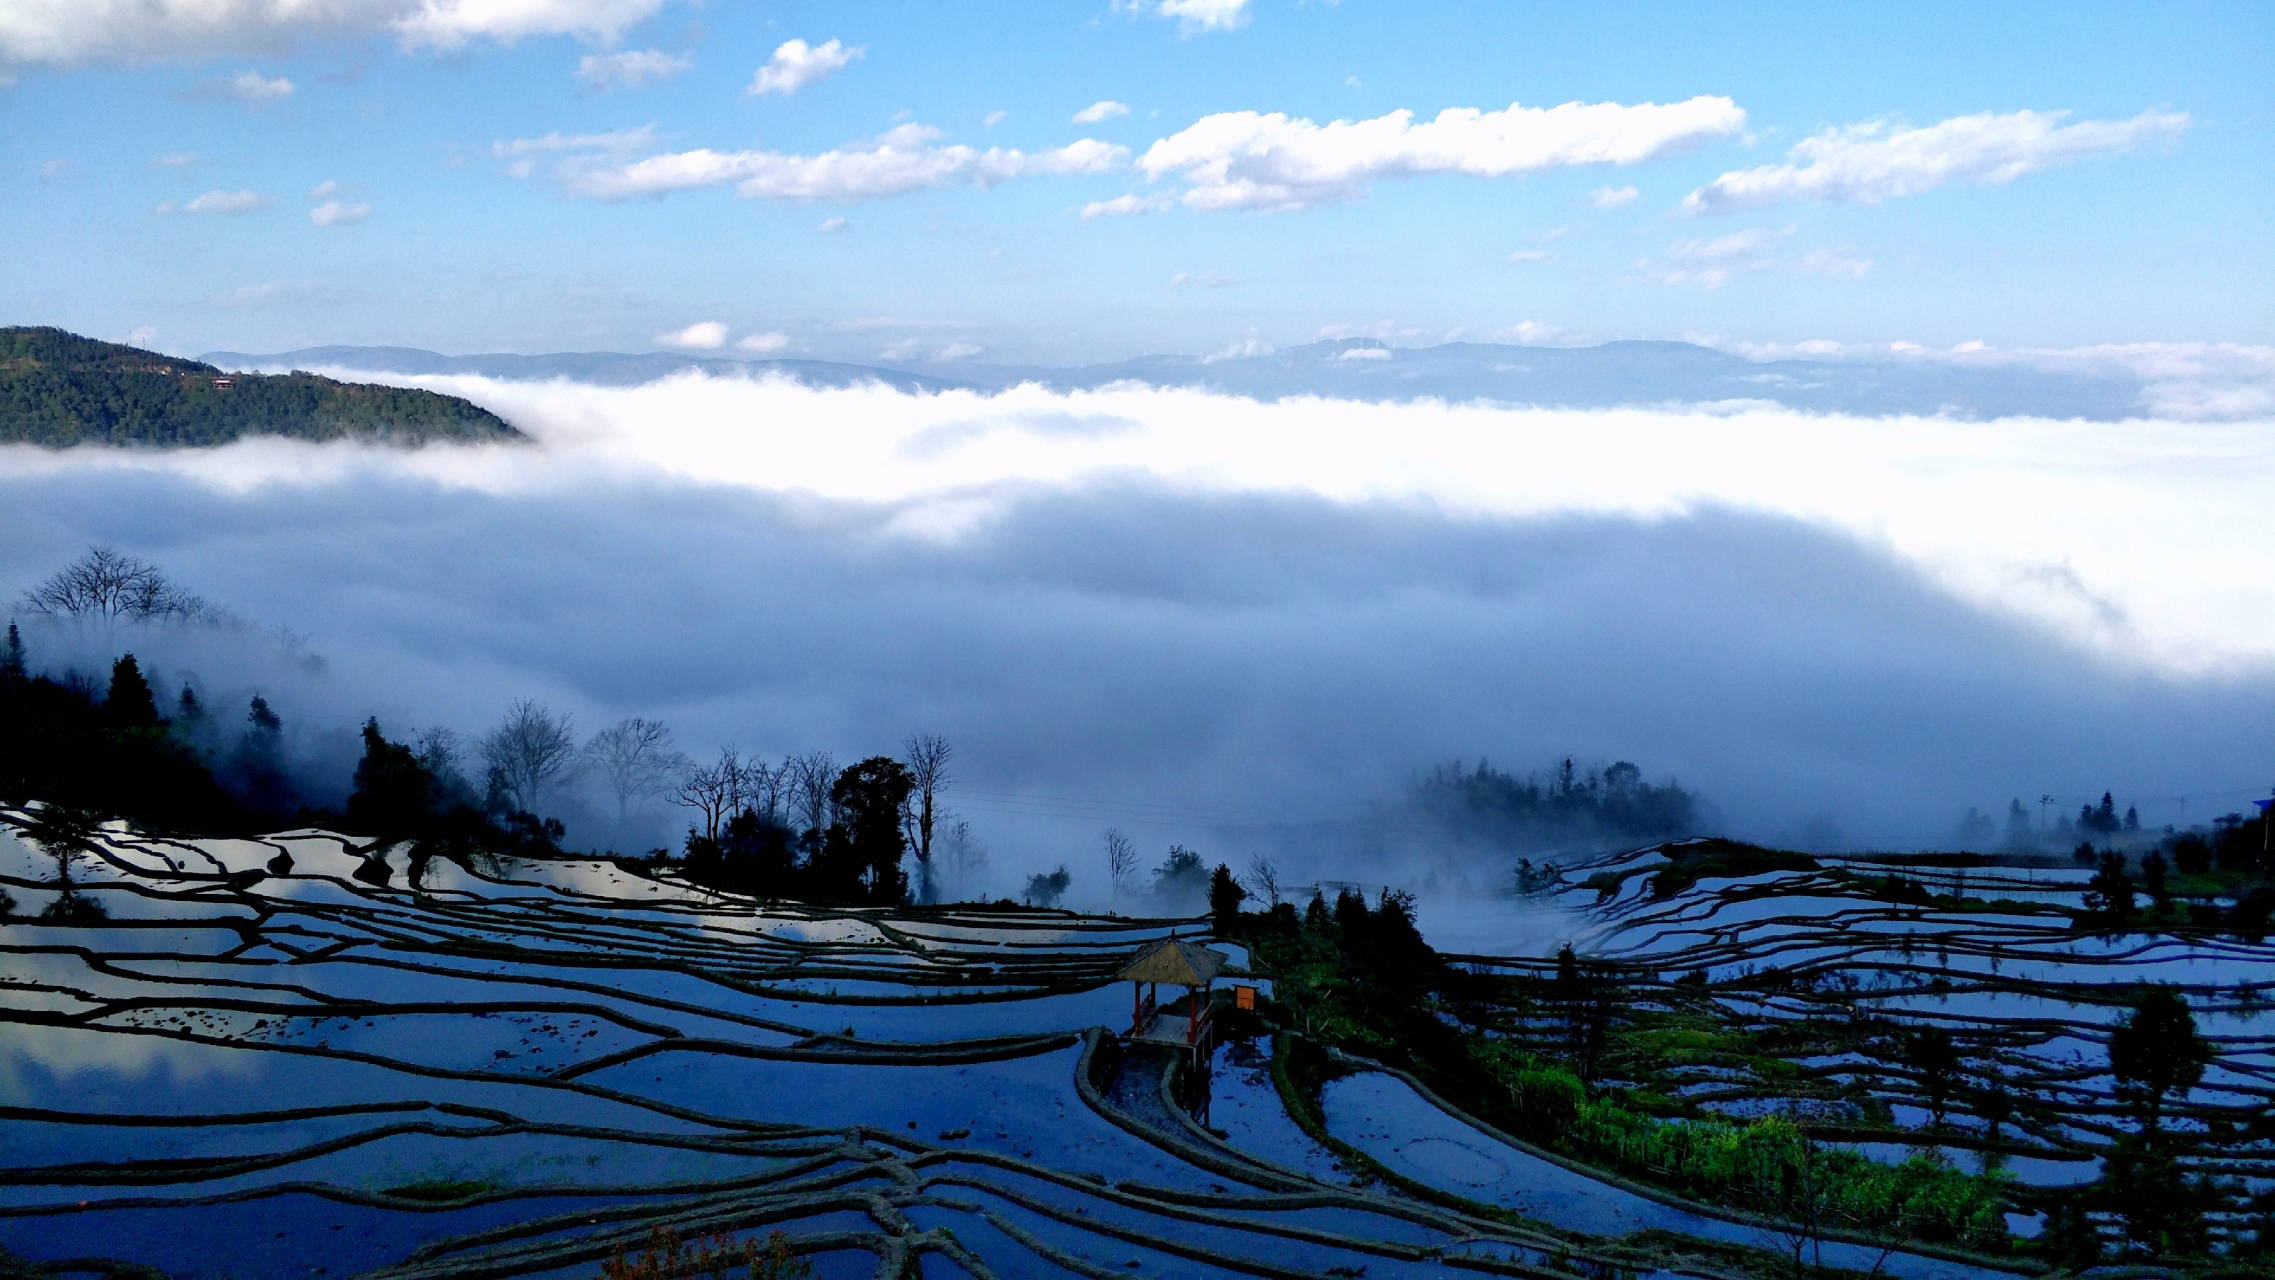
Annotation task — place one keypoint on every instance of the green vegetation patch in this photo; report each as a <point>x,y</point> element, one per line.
<point>58,389</point>
<point>442,1190</point>
<point>1696,860</point>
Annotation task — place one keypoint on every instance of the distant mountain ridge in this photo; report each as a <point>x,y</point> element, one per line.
<point>58,389</point>
<point>1612,375</point>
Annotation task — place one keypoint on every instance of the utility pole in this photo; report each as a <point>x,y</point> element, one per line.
<point>2043,801</point>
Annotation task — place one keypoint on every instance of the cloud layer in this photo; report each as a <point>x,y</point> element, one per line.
<point>1271,163</point>
<point>1271,613</point>
<point>1869,163</point>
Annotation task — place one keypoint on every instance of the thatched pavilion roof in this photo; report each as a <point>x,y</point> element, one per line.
<point>1173,960</point>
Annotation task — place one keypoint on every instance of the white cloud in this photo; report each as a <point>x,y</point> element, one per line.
<point>1205,279</point>
<point>68,32</point>
<point>1270,163</point>
<point>251,86</point>
<point>832,225</point>
<point>1101,110</point>
<point>763,342</point>
<point>796,64</point>
<point>220,202</point>
<point>631,68</point>
<point>902,350</point>
<point>1710,262</point>
<point>958,351</point>
<point>704,335</point>
<point>522,153</point>
<point>1533,255</point>
<point>1537,332</point>
<point>175,159</point>
<point>1866,163</point>
<point>324,190</point>
<point>994,118</point>
<point>142,336</point>
<point>1244,349</point>
<point>336,213</point>
<point>900,161</point>
<point>1124,206</point>
<point>50,170</point>
<point>1612,197</point>
<point>1365,353</point>
<point>1193,16</point>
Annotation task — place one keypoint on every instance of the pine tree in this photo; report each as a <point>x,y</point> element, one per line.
<point>12,670</point>
<point>130,704</point>
<point>1225,897</point>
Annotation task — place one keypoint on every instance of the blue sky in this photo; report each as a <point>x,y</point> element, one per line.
<point>1938,199</point>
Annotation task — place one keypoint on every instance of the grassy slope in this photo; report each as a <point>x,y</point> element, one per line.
<point>58,389</point>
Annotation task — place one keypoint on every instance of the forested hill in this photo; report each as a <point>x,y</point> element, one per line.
<point>59,389</point>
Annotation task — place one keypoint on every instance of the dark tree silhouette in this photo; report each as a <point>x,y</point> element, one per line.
<point>1931,1052</point>
<point>860,859</point>
<point>130,704</point>
<point>394,794</point>
<point>2156,1051</point>
<point>1225,897</point>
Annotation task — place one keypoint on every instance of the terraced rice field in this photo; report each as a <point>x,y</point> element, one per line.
<point>296,1056</point>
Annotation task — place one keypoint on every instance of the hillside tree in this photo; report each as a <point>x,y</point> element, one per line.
<point>530,752</point>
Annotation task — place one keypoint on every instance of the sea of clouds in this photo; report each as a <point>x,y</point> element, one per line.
<point>1215,620</point>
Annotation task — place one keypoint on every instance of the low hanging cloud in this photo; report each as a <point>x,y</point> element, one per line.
<point>796,64</point>
<point>1274,612</point>
<point>763,342</point>
<point>228,202</point>
<point>1271,163</point>
<point>1869,163</point>
<point>704,335</point>
<point>630,68</point>
<point>71,32</point>
<point>897,162</point>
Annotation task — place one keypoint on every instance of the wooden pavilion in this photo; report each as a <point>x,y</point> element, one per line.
<point>1181,963</point>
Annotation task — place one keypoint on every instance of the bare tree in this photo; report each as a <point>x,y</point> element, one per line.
<point>530,752</point>
<point>441,751</point>
<point>1121,859</point>
<point>1264,877</point>
<point>966,858</point>
<point>105,587</point>
<point>637,758</point>
<point>709,790</point>
<point>928,755</point>
<point>811,777</point>
<point>765,787</point>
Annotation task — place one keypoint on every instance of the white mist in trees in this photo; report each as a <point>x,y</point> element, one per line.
<point>637,759</point>
<point>966,860</point>
<point>1121,860</point>
<point>530,752</point>
<point>928,755</point>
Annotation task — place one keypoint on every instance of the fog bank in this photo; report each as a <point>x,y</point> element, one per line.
<point>1221,622</point>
